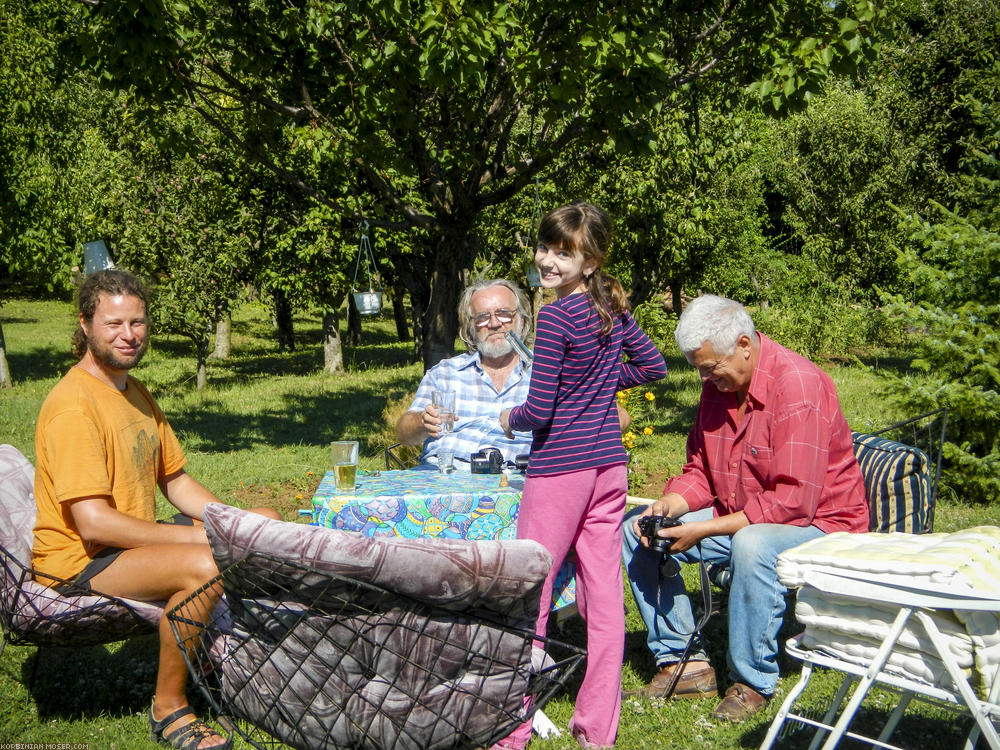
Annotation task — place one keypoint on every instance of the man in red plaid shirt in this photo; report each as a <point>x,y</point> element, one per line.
<point>770,465</point>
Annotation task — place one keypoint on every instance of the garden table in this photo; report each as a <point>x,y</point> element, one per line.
<point>416,503</point>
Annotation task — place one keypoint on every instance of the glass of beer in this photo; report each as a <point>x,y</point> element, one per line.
<point>444,401</point>
<point>344,456</point>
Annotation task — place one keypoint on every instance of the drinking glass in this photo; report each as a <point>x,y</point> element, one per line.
<point>344,456</point>
<point>446,461</point>
<point>444,401</point>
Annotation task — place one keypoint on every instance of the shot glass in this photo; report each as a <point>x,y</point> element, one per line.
<point>444,401</point>
<point>344,456</point>
<point>446,461</point>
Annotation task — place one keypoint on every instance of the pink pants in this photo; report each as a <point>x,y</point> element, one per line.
<point>584,509</point>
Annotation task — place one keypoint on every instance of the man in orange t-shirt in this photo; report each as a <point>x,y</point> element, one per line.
<point>103,447</point>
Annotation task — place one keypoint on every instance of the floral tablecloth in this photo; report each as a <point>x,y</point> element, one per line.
<point>425,503</point>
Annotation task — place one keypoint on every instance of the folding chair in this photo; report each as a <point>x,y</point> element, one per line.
<point>901,615</point>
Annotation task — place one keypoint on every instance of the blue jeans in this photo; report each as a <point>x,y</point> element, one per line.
<point>756,597</point>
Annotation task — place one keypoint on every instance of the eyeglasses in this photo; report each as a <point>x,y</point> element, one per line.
<point>503,317</point>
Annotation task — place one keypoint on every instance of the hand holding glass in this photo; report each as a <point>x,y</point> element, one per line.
<point>344,455</point>
<point>444,402</point>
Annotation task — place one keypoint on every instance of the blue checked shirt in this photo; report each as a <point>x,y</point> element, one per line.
<point>477,409</point>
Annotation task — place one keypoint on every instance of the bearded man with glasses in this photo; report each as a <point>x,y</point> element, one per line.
<point>487,379</point>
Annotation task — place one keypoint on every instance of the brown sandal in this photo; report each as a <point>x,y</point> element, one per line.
<point>188,736</point>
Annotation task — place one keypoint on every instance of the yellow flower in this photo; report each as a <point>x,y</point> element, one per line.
<point>650,396</point>
<point>298,497</point>
<point>647,430</point>
<point>309,473</point>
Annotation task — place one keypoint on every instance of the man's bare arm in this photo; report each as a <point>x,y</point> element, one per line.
<point>186,493</point>
<point>98,522</point>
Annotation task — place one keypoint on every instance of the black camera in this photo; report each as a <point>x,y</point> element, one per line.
<point>486,461</point>
<point>648,526</point>
<point>521,462</point>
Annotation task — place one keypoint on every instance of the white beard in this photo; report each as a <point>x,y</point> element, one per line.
<point>494,350</point>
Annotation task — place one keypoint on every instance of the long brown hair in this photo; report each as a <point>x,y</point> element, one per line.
<point>584,228</point>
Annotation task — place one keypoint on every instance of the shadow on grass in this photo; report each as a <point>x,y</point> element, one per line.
<point>41,363</point>
<point>89,681</point>
<point>894,364</point>
<point>914,731</point>
<point>301,420</point>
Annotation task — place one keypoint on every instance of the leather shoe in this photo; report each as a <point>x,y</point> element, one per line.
<point>697,684</point>
<point>740,703</point>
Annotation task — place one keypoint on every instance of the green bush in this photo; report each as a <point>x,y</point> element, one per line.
<point>658,324</point>
<point>818,326</point>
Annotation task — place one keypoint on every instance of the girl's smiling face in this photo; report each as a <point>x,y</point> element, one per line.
<point>562,270</point>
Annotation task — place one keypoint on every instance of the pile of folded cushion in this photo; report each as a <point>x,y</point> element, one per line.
<point>962,564</point>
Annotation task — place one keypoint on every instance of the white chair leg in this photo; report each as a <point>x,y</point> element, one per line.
<point>865,683</point>
<point>894,717</point>
<point>786,706</point>
<point>831,712</point>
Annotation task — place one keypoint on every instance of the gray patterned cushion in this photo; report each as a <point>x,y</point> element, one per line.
<point>501,576</point>
<point>17,503</point>
<point>427,660</point>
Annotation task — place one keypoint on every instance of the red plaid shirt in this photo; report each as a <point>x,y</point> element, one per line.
<point>791,459</point>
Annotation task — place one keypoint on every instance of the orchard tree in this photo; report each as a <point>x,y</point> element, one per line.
<point>834,173</point>
<point>696,197</point>
<point>446,109</point>
<point>53,156</point>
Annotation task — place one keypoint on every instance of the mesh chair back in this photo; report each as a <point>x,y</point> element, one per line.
<point>33,613</point>
<point>317,660</point>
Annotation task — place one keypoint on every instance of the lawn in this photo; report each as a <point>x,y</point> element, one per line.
<point>260,434</point>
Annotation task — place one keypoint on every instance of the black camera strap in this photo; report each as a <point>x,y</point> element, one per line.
<point>706,600</point>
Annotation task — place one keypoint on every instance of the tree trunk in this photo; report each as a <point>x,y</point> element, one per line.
<point>412,273</point>
<point>441,317</point>
<point>283,322</point>
<point>201,352</point>
<point>333,352</point>
<point>223,337</point>
<point>353,335</point>
<point>675,295</point>
<point>399,311</point>
<point>5,380</point>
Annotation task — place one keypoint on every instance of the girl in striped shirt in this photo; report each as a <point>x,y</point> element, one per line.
<point>575,486</point>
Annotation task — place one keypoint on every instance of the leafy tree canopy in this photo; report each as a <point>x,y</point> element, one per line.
<point>446,108</point>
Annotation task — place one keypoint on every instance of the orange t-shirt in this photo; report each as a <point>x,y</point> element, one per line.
<point>93,440</point>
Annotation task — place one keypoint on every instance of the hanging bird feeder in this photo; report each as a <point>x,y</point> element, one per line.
<point>531,274</point>
<point>96,257</point>
<point>368,302</point>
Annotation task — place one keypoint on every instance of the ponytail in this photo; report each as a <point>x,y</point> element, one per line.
<point>609,298</point>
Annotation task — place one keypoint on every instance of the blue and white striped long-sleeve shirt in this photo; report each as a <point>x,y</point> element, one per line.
<point>574,378</point>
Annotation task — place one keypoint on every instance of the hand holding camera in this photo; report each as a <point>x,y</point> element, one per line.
<point>648,528</point>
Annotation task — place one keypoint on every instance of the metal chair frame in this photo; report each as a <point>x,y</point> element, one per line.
<point>305,600</point>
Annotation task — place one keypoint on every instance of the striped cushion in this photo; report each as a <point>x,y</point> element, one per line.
<point>897,482</point>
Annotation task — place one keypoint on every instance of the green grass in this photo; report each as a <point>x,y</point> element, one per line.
<point>260,434</point>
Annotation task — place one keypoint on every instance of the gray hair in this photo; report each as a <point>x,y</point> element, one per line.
<point>718,320</point>
<point>467,326</point>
